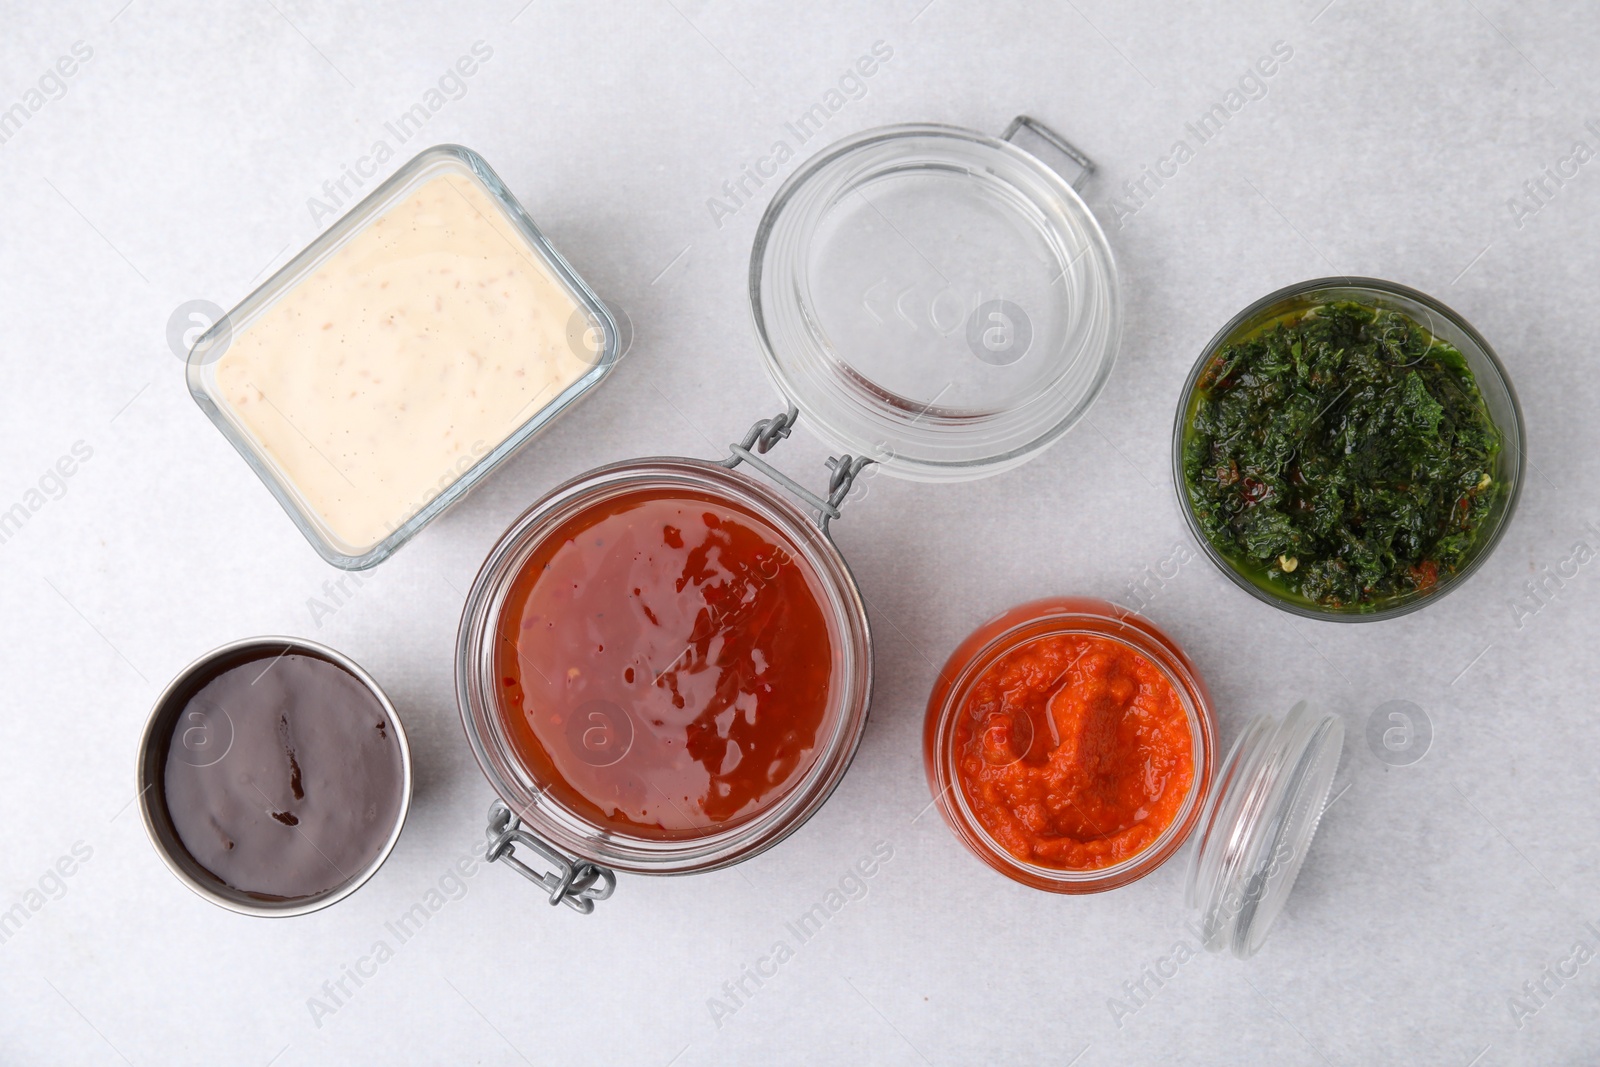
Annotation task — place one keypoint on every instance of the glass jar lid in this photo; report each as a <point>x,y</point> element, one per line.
<point>935,298</point>
<point>1259,823</point>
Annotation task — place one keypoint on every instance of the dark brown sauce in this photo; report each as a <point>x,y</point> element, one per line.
<point>276,782</point>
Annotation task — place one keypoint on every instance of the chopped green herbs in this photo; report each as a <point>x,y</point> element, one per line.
<point>1342,455</point>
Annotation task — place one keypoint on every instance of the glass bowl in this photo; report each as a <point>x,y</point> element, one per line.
<point>1493,383</point>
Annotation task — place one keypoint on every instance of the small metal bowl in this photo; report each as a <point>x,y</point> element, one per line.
<point>1494,384</point>
<point>153,750</point>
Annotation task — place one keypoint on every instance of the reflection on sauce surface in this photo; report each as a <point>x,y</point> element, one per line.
<point>665,664</point>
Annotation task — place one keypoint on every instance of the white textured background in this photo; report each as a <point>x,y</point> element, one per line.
<point>177,166</point>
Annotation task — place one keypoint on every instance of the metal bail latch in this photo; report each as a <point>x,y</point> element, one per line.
<point>575,883</point>
<point>768,432</point>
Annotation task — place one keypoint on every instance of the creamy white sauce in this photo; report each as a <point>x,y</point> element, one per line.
<point>416,349</point>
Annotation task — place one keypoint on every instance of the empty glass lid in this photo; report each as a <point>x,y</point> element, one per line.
<point>1258,825</point>
<point>935,298</point>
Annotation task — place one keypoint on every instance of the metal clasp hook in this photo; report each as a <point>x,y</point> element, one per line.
<point>575,883</point>
<point>768,432</point>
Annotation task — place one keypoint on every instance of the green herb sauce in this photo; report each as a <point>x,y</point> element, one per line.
<point>1341,455</point>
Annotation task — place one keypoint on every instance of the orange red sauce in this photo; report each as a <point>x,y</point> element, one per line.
<point>666,664</point>
<point>1074,752</point>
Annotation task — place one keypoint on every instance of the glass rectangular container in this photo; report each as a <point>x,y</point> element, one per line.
<point>450,332</point>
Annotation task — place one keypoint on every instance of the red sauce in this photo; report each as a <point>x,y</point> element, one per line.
<point>1074,752</point>
<point>666,664</point>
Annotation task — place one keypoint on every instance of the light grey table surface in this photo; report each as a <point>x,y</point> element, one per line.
<point>177,162</point>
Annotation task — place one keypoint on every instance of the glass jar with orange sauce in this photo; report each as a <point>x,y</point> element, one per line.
<point>1071,745</point>
<point>664,666</point>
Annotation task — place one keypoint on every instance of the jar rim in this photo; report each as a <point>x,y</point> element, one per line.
<point>1013,629</point>
<point>540,810</point>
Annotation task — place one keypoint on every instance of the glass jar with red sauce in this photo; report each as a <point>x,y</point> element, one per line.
<point>664,665</point>
<point>1071,746</point>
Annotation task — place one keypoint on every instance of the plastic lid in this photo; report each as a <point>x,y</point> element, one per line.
<point>937,299</point>
<point>1259,823</point>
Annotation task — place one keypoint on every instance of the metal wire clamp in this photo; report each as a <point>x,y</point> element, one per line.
<point>575,883</point>
<point>768,432</point>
